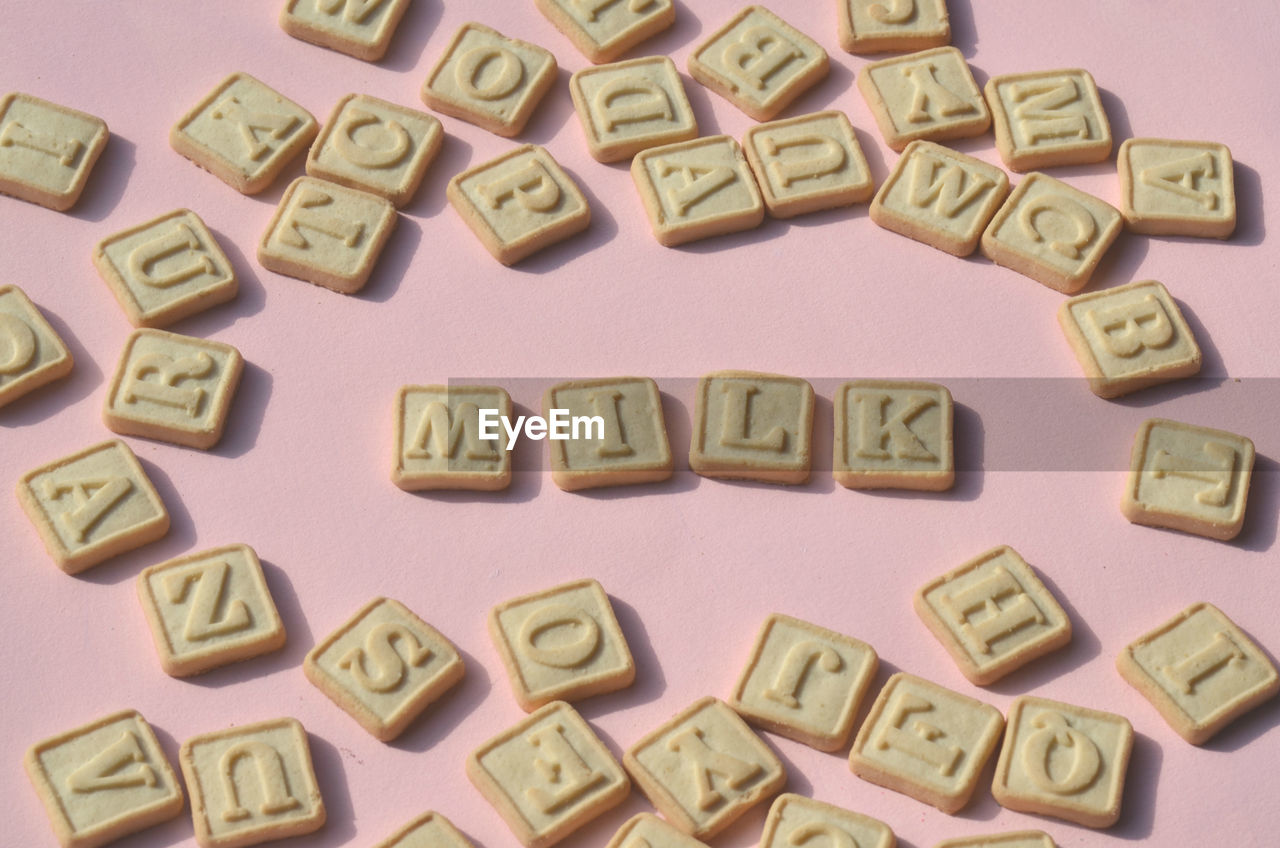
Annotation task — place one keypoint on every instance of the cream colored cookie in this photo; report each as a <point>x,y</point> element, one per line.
<point>439,444</point>
<point>752,426</point>
<point>929,95</point>
<point>808,163</point>
<point>430,830</point>
<point>562,643</point>
<point>32,354</point>
<point>244,133</point>
<point>940,197</point>
<point>92,505</point>
<point>631,106</point>
<point>1014,839</point>
<point>1063,761</point>
<point>1129,337</point>
<point>1047,118</point>
<point>795,820</point>
<point>804,682</point>
<point>882,26</point>
<point>174,388</point>
<point>251,784</point>
<point>490,80</point>
<point>548,775</point>
<point>519,203</point>
<point>993,615</point>
<point>704,768</point>
<point>893,434</point>
<point>696,189</point>
<point>1177,188</point>
<point>104,780</point>
<point>605,29</point>
<point>165,269</point>
<point>926,742</point>
<point>359,28</point>
<point>1200,671</point>
<point>1188,478</point>
<point>47,150</point>
<point>384,666</point>
<point>626,443</point>
<point>327,234</point>
<point>376,146</point>
<point>645,830</point>
<point>758,62</point>
<point>1052,233</point>
<point>209,609</point>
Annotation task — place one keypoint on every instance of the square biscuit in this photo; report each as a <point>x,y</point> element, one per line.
<point>251,784</point>
<point>605,29</point>
<point>104,780</point>
<point>695,189</point>
<point>429,830</point>
<point>894,434</point>
<point>1177,188</point>
<point>490,80</point>
<point>519,203</point>
<point>1200,671</point>
<point>439,442</point>
<point>47,150</point>
<point>359,28</point>
<point>925,741</point>
<point>631,106</point>
<point>753,426</point>
<point>758,62</point>
<point>993,615</point>
<point>327,234</point>
<point>1012,839</point>
<point>375,146</point>
<point>808,163</point>
<point>32,354</point>
<point>1188,478</point>
<point>940,197</point>
<point>1052,233</point>
<point>208,609</point>
<point>165,269</point>
<point>561,644</point>
<point>625,440</point>
<point>794,820</point>
<point>804,682</point>
<point>384,666</point>
<point>1048,118</point>
<point>1129,337</point>
<point>1063,761</point>
<point>928,95</point>
<point>244,133</point>
<point>92,505</point>
<point>645,830</point>
<point>548,775</point>
<point>704,768</point>
<point>173,388</point>
<point>883,26</point>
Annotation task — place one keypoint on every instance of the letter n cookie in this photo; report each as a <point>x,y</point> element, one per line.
<point>384,666</point>
<point>625,438</point>
<point>695,189</point>
<point>47,150</point>
<point>31,352</point>
<point>808,163</point>
<point>439,443</point>
<point>895,435</point>
<point>1177,188</point>
<point>750,426</point>
<point>794,820</point>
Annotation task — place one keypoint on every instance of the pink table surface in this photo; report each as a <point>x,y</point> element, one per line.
<point>692,565</point>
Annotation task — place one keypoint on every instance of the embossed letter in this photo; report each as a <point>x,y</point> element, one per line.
<point>1205,662</point>
<point>94,498</point>
<point>164,389</point>
<point>561,766</point>
<point>472,66</point>
<point>919,741</point>
<point>1054,732</point>
<point>380,645</point>
<point>554,616</point>
<point>444,431</point>
<point>275,126</point>
<point>706,762</point>
<point>391,145</point>
<point>700,182</point>
<point>17,344</point>
<point>875,434</point>
<point>736,432</point>
<point>1183,176</point>
<point>203,621</point>
<point>632,100</point>
<point>532,187</point>
<point>1216,473</point>
<point>943,185</point>
<point>1128,328</point>
<point>1040,108</point>
<point>106,769</point>
<point>795,668</point>
<point>929,94</point>
<point>304,214</point>
<point>178,240</point>
<point>614,441</point>
<point>896,12</point>
<point>759,54</point>
<point>827,159</point>
<point>1064,207</point>
<point>998,621</point>
<point>273,782</point>
<point>65,150</point>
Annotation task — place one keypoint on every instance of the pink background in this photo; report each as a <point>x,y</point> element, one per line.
<point>692,565</point>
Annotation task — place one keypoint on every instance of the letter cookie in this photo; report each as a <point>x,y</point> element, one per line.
<point>808,163</point>
<point>895,435</point>
<point>1177,188</point>
<point>696,189</point>
<point>47,150</point>
<point>605,29</point>
<point>632,106</point>
<point>430,830</point>
<point>359,28</point>
<point>798,822</point>
<point>624,440</point>
<point>645,830</point>
<point>1048,118</point>
<point>439,443</point>
<point>751,426</point>
<point>882,26</point>
<point>31,352</point>
<point>928,95</point>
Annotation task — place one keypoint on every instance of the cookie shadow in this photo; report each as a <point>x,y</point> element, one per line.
<point>250,297</point>
<point>681,479</point>
<point>650,683</point>
<point>964,32</point>
<point>248,408</point>
<point>106,181</point>
<point>412,34</point>
<point>331,775</point>
<point>1247,728</point>
<point>1137,813</point>
<point>445,715</point>
<point>527,467</point>
<point>47,400</point>
<point>551,114</point>
<point>432,197</point>
<point>1262,509</point>
<point>1120,264</point>
<point>602,230</point>
<point>1251,224</point>
<point>176,829</point>
<point>393,264</point>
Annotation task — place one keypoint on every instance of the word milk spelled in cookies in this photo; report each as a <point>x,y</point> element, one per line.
<point>1064,761</point>
<point>882,26</point>
<point>548,775</point>
<point>104,780</point>
<point>993,615</point>
<point>808,163</point>
<point>92,505</point>
<point>430,830</point>
<point>439,443</point>
<point>1188,478</point>
<point>251,784</point>
<point>31,352</point>
<point>359,28</point>
<point>1177,188</point>
<point>47,150</point>
<point>750,426</point>
<point>695,189</point>
<point>795,820</point>
<point>804,682</point>
<point>209,609</point>
<point>645,830</point>
<point>244,133</point>
<point>926,742</point>
<point>894,435</point>
<point>376,146</point>
<point>704,768</point>
<point>1048,118</point>
<point>1200,670</point>
<point>927,95</point>
<point>631,106</point>
<point>625,440</point>
<point>605,29</point>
